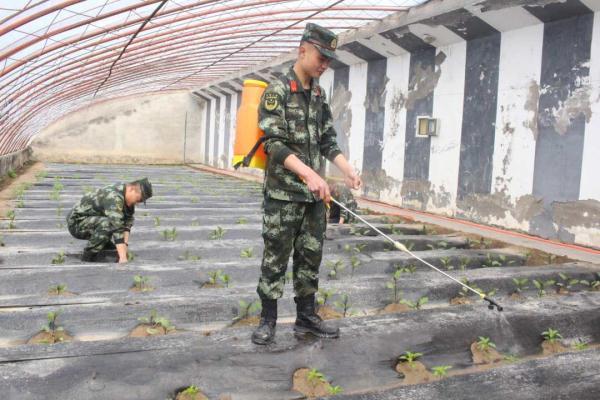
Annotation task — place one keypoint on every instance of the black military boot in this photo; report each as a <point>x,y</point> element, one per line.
<point>265,332</point>
<point>89,256</point>
<point>307,320</point>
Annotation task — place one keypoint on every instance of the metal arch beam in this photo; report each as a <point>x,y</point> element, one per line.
<point>39,14</point>
<point>156,24</point>
<point>140,41</point>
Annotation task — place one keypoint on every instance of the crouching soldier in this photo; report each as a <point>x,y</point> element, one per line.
<point>341,193</point>
<point>106,215</point>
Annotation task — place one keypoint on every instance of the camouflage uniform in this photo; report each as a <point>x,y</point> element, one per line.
<point>342,194</point>
<point>297,122</point>
<point>100,216</point>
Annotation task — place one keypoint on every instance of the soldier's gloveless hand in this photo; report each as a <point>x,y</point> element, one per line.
<point>318,187</point>
<point>353,181</point>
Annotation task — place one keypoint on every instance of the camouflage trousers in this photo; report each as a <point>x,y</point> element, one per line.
<point>96,230</point>
<point>291,226</point>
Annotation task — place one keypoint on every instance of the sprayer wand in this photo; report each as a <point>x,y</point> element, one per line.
<point>403,248</point>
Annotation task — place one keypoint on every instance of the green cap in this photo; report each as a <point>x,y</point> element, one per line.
<point>324,39</point>
<point>146,188</point>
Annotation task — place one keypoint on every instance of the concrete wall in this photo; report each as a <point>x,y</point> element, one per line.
<point>142,129</point>
<point>515,86</point>
<point>14,161</point>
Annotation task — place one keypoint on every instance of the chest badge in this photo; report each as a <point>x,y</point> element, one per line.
<point>271,101</point>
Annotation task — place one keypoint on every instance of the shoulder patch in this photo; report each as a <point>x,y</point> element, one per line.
<point>272,101</point>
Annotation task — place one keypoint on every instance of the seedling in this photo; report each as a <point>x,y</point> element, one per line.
<point>335,389</point>
<point>484,343</point>
<point>417,304</point>
<point>51,326</point>
<point>335,267</point>
<point>592,284</point>
<point>520,284</point>
<point>155,321</point>
<point>55,195</point>
<point>314,376</point>
<point>464,263</point>
<point>141,283</point>
<point>511,358</point>
<point>565,282</point>
<point>217,234</point>
<point>542,285</point>
<point>170,234</point>
<point>59,258</point>
<point>505,261</point>
<point>344,305</point>
<point>57,289</point>
<point>11,173</point>
<point>490,262</point>
<point>409,357</point>
<point>324,295</point>
<point>59,211</point>
<point>20,204</point>
<point>464,292</point>
<point>580,345</point>
<point>354,264</point>
<point>440,371</point>
<point>409,269</point>
<point>215,276</point>
<point>187,256</point>
<point>156,221</point>
<point>393,284</point>
<point>41,175</point>
<point>246,309</point>
<point>58,186</point>
<point>247,253</point>
<point>551,335</point>
<point>130,256</point>
<point>242,220</point>
<point>446,263</point>
<point>190,391</point>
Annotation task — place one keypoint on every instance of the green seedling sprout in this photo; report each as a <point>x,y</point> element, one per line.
<point>520,284</point>
<point>242,220</point>
<point>344,305</point>
<point>141,283</point>
<point>58,289</point>
<point>170,234</point>
<point>417,304</point>
<point>409,357</point>
<point>355,263</point>
<point>551,335</point>
<point>247,253</point>
<point>565,282</point>
<point>59,258</point>
<point>51,326</point>
<point>323,296</point>
<point>593,284</point>
<point>580,345</point>
<point>446,263</point>
<point>155,321</point>
<point>156,221</point>
<point>484,343</point>
<point>542,285</point>
<point>393,284</point>
<point>191,391</point>
<point>11,173</point>
<point>187,256</point>
<point>247,309</point>
<point>335,389</point>
<point>217,234</point>
<point>335,267</point>
<point>440,371</point>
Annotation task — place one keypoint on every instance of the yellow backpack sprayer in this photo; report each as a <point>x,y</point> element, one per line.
<point>249,153</point>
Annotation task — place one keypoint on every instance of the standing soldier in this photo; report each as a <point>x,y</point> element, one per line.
<point>298,126</point>
<point>107,214</point>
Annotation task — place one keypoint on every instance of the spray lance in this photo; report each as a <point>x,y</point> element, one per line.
<point>403,248</point>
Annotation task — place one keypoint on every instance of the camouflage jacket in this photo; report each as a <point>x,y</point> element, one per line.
<point>297,122</point>
<point>108,202</point>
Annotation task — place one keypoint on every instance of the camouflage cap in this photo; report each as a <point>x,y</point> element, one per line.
<point>324,39</point>
<point>146,188</point>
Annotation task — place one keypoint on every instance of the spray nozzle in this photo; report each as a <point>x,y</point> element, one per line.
<point>493,304</point>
